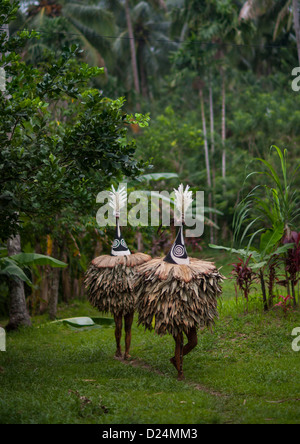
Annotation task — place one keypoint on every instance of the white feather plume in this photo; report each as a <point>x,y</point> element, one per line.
<point>183,199</point>
<point>118,200</point>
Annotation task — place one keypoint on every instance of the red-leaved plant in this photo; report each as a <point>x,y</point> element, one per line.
<point>284,303</point>
<point>292,262</point>
<point>244,276</point>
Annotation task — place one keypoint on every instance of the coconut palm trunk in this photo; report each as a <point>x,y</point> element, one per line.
<point>212,133</point>
<point>207,161</point>
<point>297,25</point>
<point>212,138</point>
<point>132,50</point>
<point>223,124</point>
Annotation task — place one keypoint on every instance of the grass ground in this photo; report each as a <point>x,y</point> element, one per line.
<point>243,372</point>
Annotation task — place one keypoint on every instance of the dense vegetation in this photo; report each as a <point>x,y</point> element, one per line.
<point>152,93</point>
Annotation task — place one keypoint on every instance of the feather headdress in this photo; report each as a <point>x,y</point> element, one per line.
<point>178,254</point>
<point>118,201</point>
<point>183,200</point>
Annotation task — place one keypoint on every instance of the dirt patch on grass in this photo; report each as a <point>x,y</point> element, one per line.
<point>141,364</point>
<point>205,389</point>
<point>138,363</point>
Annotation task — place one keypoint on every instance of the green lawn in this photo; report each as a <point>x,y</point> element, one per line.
<point>243,372</point>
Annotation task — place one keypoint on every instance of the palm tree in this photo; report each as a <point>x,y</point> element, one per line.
<point>91,25</point>
<point>147,30</point>
<point>297,25</point>
<point>287,12</point>
<point>132,48</point>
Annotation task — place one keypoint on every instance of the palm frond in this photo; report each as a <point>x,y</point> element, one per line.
<point>94,17</point>
<point>141,12</point>
<point>91,43</point>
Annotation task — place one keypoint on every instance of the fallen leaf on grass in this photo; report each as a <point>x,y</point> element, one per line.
<point>85,401</point>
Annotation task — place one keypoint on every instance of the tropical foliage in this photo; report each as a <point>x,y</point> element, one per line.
<point>271,214</point>
<point>81,81</point>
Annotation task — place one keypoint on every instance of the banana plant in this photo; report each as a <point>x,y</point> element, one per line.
<point>273,202</point>
<point>261,258</point>
<point>12,266</point>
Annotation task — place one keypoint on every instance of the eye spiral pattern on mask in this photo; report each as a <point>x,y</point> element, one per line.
<point>116,243</point>
<point>178,251</point>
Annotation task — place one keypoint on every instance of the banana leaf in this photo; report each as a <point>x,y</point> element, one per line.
<point>9,268</point>
<point>86,322</point>
<point>28,259</point>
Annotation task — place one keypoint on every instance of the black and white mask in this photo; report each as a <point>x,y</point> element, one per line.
<point>183,200</point>
<point>118,199</point>
<point>119,246</point>
<point>178,254</point>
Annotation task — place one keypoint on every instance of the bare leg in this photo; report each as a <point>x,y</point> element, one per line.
<point>118,334</point>
<point>192,342</point>
<point>128,323</point>
<point>179,356</point>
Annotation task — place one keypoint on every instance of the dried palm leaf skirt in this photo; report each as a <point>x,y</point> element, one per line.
<point>109,282</point>
<point>177,297</point>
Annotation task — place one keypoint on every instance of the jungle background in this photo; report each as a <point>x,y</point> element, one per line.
<point>154,93</point>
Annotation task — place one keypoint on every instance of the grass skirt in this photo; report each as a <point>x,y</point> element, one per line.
<point>178,297</point>
<point>109,282</point>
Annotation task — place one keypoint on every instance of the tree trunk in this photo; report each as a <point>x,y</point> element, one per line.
<point>66,283</point>
<point>223,124</point>
<point>224,154</point>
<point>66,278</point>
<point>207,162</point>
<point>44,298</point>
<point>263,288</point>
<point>132,51</point>
<point>143,73</point>
<point>54,284</point>
<point>212,137</point>
<point>297,25</point>
<point>212,134</point>
<point>76,288</point>
<point>293,280</point>
<point>18,314</point>
<point>35,297</point>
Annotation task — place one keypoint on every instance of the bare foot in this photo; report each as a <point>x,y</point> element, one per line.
<point>118,354</point>
<point>126,356</point>
<point>180,377</point>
